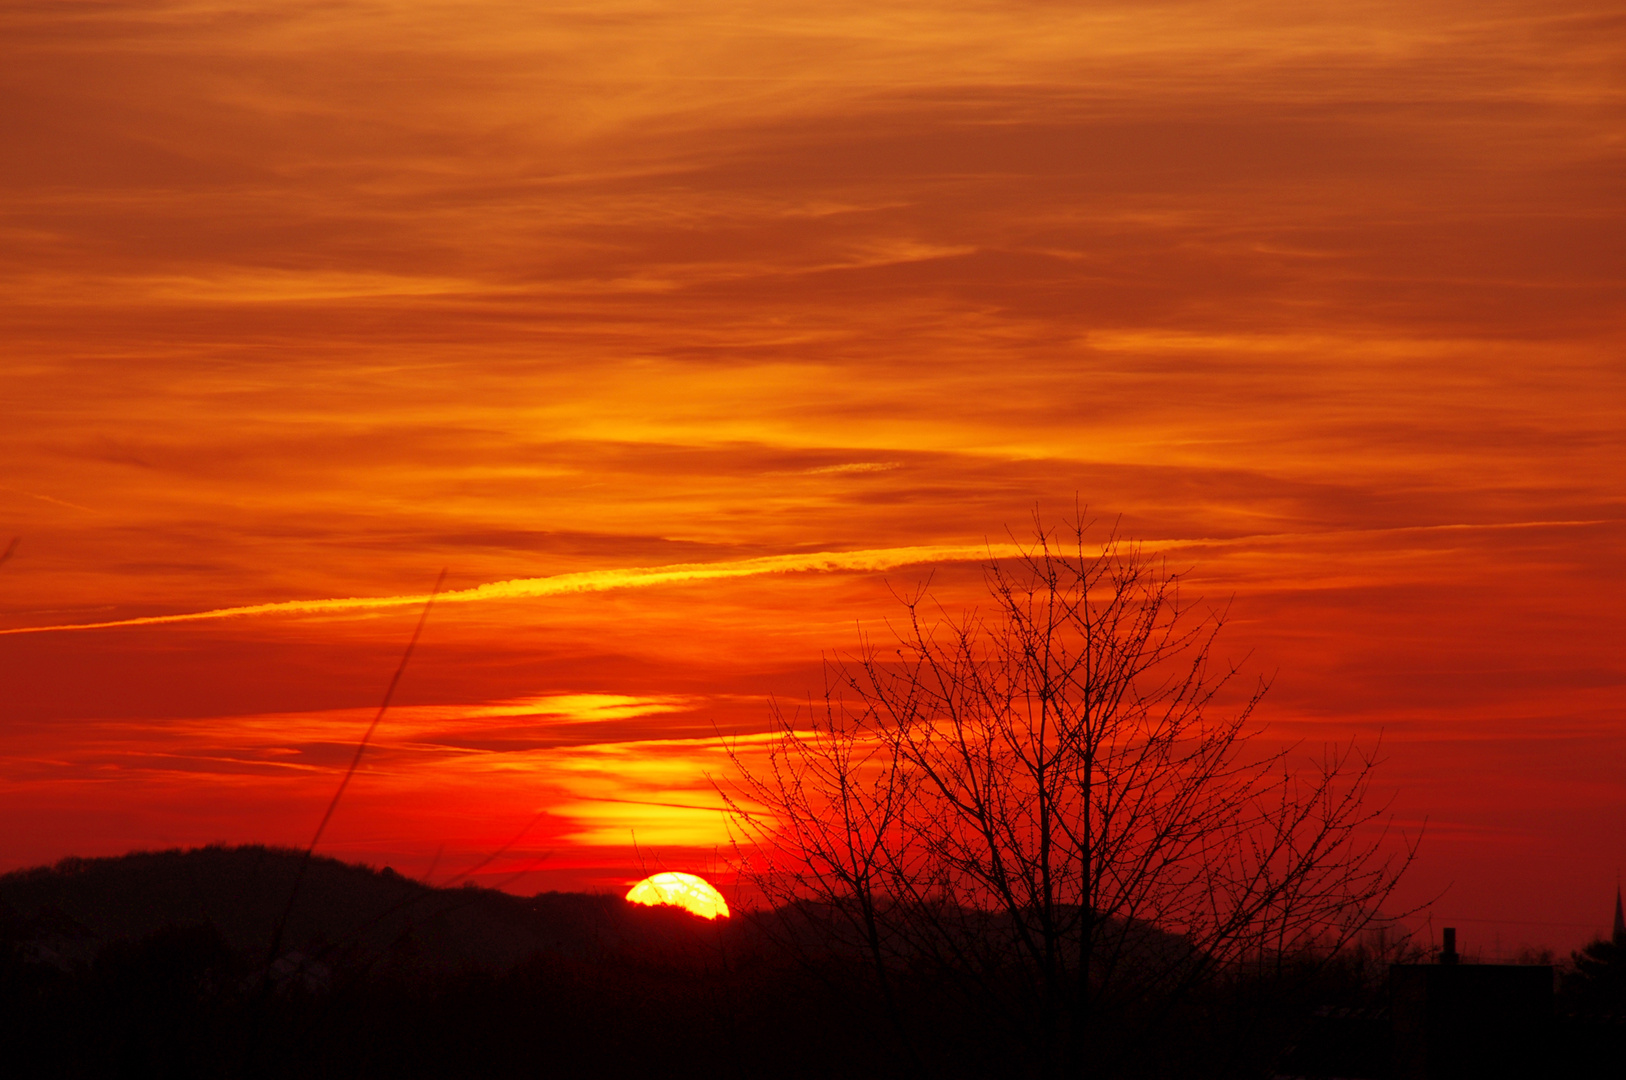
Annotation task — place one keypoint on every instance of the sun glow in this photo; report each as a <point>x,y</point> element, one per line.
<point>685,890</point>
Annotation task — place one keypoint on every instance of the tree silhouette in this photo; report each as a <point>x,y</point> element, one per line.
<point>1057,808</point>
<point>1597,980</point>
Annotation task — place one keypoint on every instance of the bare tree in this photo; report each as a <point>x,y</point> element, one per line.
<point>1060,805</point>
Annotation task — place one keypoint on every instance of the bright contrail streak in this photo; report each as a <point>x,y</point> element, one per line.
<point>585,581</point>
<point>821,561</point>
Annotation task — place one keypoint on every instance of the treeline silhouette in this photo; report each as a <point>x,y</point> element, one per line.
<point>156,964</point>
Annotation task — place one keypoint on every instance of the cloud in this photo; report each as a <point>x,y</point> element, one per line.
<point>307,298</point>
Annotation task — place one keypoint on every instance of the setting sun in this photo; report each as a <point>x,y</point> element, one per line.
<point>685,890</point>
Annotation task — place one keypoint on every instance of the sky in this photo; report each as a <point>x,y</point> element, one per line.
<point>305,302</point>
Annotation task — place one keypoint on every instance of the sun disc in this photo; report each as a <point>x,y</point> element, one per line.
<point>687,891</point>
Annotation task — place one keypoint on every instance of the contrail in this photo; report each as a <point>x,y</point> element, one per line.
<point>638,577</point>
<point>585,581</point>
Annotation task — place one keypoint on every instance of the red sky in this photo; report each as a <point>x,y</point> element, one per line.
<point>306,301</point>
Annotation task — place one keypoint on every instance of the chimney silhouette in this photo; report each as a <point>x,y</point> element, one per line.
<point>1620,919</point>
<point>1448,954</point>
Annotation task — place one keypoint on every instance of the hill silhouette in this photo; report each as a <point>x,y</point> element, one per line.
<point>344,916</point>
<point>158,963</point>
<point>161,963</point>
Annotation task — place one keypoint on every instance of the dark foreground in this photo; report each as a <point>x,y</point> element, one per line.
<point>163,964</point>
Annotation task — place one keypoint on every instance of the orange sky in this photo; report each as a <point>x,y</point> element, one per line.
<point>306,301</point>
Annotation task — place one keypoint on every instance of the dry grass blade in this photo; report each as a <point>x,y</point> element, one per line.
<point>355,763</point>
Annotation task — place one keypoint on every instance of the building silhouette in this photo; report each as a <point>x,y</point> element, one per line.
<point>1453,1020</point>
